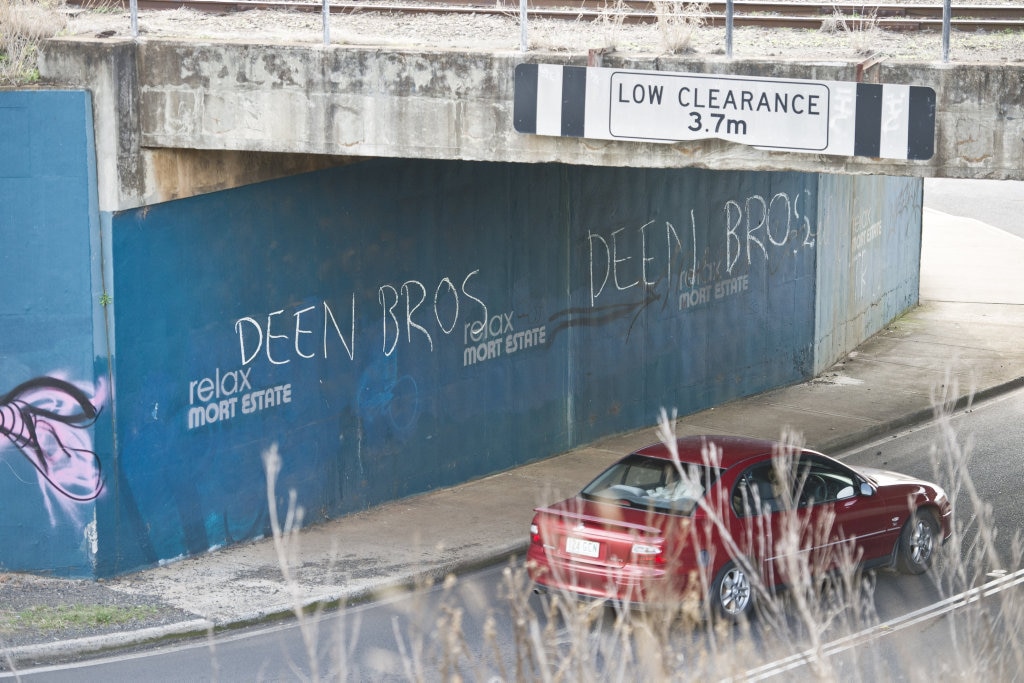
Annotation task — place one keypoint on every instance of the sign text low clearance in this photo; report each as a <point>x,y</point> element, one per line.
<point>762,113</point>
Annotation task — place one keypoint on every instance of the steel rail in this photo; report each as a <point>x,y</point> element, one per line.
<point>756,13</point>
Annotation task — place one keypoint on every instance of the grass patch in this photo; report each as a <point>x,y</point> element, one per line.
<point>65,617</point>
<point>23,25</point>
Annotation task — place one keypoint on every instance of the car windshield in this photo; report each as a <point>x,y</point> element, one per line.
<point>652,483</point>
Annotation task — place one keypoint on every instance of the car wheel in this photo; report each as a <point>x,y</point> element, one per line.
<point>917,544</point>
<point>732,593</point>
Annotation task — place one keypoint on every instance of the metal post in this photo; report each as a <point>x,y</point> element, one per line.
<point>728,28</point>
<point>327,22</point>
<point>946,16</point>
<point>522,26</point>
<point>134,8</point>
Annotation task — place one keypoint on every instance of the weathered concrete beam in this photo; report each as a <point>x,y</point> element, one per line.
<point>320,106</point>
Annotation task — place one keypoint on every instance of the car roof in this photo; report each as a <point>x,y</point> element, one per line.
<point>734,449</point>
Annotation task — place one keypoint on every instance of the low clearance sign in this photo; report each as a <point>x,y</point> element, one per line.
<point>822,117</point>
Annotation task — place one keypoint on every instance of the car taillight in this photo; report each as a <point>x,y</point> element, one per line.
<point>535,534</point>
<point>647,553</point>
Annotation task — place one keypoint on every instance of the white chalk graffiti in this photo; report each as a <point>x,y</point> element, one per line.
<point>774,218</point>
<point>247,327</point>
<point>753,229</point>
<point>412,313</point>
<point>446,300</point>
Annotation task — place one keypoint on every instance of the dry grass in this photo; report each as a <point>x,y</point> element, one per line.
<point>678,20</point>
<point>23,25</point>
<point>862,32</point>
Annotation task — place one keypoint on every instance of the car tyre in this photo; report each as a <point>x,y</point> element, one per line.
<point>917,544</point>
<point>732,592</point>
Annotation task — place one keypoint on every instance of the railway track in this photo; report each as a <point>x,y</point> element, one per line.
<point>766,14</point>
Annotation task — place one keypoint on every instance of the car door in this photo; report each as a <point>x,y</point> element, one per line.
<point>770,526</point>
<point>845,524</point>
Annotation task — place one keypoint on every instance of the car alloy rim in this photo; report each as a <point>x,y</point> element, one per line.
<point>921,542</point>
<point>735,591</point>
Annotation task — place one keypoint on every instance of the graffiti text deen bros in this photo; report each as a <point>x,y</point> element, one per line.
<point>752,229</point>
<point>405,313</point>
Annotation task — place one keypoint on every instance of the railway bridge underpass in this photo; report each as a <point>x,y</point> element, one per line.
<point>402,270</point>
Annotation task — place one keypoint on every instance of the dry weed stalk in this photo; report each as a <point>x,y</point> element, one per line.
<point>677,22</point>
<point>861,30</point>
<point>286,545</point>
<point>610,22</point>
<point>988,636</point>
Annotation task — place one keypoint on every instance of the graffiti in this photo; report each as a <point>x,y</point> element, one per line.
<point>446,300</point>
<point>763,221</point>
<point>753,228</point>
<point>599,315</point>
<point>47,419</point>
<point>253,327</point>
<point>401,315</point>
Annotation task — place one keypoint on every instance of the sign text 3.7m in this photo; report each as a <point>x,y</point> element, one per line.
<point>792,114</point>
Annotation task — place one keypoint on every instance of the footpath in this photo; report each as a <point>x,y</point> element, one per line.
<point>964,342</point>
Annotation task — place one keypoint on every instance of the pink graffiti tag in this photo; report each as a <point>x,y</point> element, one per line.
<point>47,419</point>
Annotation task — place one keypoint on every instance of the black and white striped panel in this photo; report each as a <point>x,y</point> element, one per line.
<point>911,135</point>
<point>888,121</point>
<point>550,100</point>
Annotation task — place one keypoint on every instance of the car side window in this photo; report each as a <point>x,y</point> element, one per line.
<point>758,491</point>
<point>822,481</point>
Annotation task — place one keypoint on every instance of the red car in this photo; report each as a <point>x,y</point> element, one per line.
<point>728,515</point>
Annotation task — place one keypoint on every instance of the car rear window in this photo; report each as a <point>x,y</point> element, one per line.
<point>652,483</point>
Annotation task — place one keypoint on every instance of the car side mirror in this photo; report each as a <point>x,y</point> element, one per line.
<point>866,489</point>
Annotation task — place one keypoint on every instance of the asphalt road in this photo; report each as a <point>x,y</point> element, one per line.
<point>999,203</point>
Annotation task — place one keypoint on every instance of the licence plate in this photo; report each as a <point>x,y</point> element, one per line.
<point>579,546</point>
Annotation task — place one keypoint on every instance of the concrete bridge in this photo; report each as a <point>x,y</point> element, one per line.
<point>178,118</point>
<point>349,256</point>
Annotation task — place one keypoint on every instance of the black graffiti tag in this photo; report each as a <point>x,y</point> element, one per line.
<point>45,419</point>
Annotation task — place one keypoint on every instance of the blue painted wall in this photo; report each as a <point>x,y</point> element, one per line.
<point>54,404</point>
<point>393,326</point>
<point>869,259</point>
<point>396,326</point>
